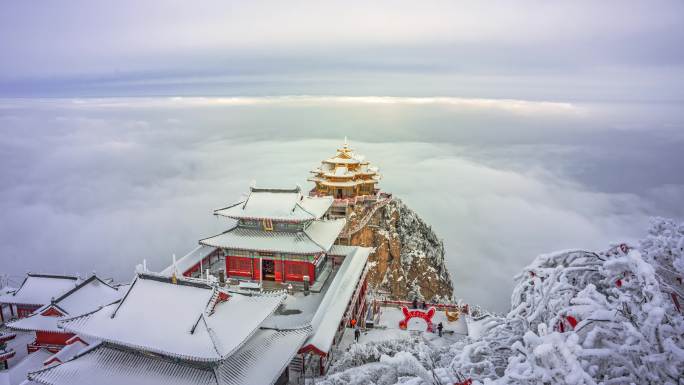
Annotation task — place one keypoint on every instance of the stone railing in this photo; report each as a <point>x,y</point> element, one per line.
<point>409,304</point>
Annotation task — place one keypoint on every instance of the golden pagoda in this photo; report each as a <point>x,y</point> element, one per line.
<point>347,177</point>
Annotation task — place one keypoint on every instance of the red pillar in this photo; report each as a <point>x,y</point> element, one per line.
<point>256,272</point>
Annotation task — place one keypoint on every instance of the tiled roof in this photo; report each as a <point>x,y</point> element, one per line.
<point>178,320</point>
<point>331,310</point>
<point>87,296</point>
<point>189,260</point>
<point>39,289</point>
<point>317,237</point>
<point>278,204</point>
<point>259,361</point>
<point>108,365</point>
<point>263,358</point>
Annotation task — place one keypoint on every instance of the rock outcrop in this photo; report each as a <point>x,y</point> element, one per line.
<point>409,258</point>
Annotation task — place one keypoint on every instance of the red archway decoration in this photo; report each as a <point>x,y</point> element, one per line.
<point>426,315</point>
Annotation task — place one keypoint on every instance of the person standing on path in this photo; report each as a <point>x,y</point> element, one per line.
<point>357,333</point>
<point>439,328</point>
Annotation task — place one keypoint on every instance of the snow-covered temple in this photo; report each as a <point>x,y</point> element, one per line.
<point>276,235</point>
<point>266,301</point>
<point>87,296</point>
<point>34,292</point>
<point>348,177</point>
<point>280,239</point>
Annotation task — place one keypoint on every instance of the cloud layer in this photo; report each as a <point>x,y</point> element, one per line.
<point>100,184</point>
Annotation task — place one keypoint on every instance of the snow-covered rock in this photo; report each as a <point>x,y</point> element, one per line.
<point>409,258</point>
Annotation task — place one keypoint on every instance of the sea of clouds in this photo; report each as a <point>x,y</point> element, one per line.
<point>101,184</point>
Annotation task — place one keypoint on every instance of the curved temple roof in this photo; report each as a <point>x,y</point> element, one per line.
<point>39,289</point>
<point>345,169</point>
<point>317,237</point>
<point>183,320</point>
<point>278,204</point>
<point>105,364</point>
<point>86,297</point>
<point>327,318</point>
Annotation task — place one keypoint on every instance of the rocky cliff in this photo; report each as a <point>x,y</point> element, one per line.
<point>409,258</point>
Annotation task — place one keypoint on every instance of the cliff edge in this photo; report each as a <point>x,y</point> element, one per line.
<point>409,258</point>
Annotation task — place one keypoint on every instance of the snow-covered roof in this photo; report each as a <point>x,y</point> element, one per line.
<point>278,204</point>
<point>340,160</point>
<point>346,183</point>
<point>263,358</point>
<point>87,296</point>
<point>341,250</point>
<point>332,308</point>
<point>259,361</point>
<point>108,365</point>
<point>317,237</point>
<point>189,260</point>
<point>34,361</point>
<point>344,172</point>
<point>186,320</point>
<point>39,289</point>
<point>68,352</point>
<point>324,233</point>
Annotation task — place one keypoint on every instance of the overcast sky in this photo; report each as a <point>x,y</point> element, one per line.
<point>513,128</point>
<point>606,50</point>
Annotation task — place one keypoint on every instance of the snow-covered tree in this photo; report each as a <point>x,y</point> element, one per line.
<point>586,318</point>
<point>578,318</point>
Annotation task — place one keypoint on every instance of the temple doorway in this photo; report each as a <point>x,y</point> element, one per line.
<point>268,269</point>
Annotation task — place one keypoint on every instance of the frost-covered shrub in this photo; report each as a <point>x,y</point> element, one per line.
<point>587,318</point>
<point>578,318</point>
<point>360,354</point>
<point>373,373</point>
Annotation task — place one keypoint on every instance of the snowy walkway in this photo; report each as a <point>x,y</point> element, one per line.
<point>388,329</point>
<point>390,317</point>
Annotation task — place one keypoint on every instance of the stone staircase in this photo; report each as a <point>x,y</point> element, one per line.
<point>348,232</point>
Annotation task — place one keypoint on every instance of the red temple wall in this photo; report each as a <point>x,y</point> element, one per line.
<point>52,338</point>
<point>295,271</point>
<point>239,266</point>
<point>278,270</point>
<point>287,270</point>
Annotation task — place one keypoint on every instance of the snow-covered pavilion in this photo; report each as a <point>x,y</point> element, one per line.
<point>348,177</point>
